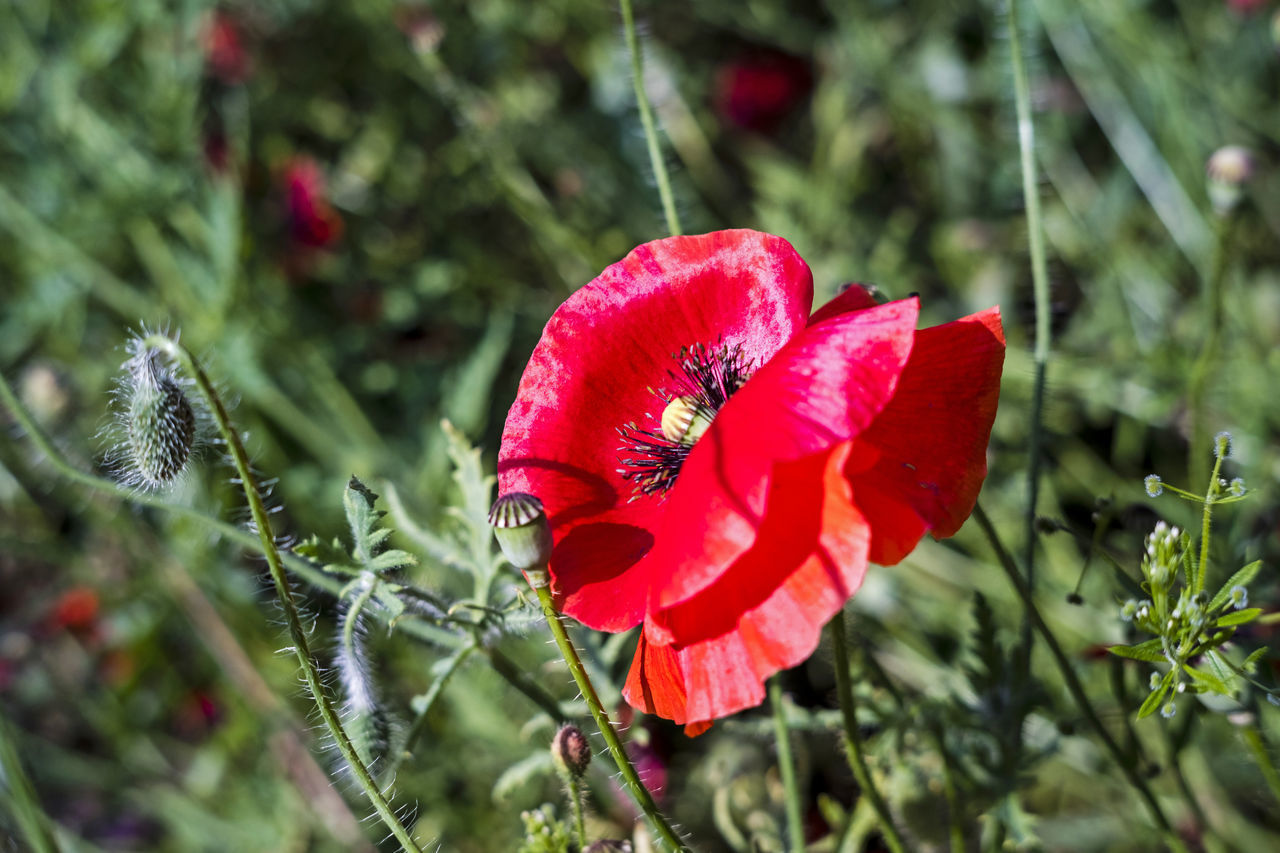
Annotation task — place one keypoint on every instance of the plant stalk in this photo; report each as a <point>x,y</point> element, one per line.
<point>852,738</point>
<point>646,119</point>
<point>301,645</point>
<point>1073,682</point>
<point>787,767</point>
<point>629,775</point>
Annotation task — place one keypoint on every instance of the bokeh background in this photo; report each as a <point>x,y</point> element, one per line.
<point>360,215</point>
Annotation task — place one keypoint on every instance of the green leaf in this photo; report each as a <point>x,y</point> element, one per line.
<point>1240,578</point>
<point>1156,697</point>
<point>1253,658</point>
<point>1151,650</point>
<point>1240,617</point>
<point>385,593</point>
<point>1208,681</point>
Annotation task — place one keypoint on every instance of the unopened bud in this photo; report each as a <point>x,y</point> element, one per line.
<point>160,423</point>
<point>1229,169</point>
<point>571,751</point>
<point>520,526</point>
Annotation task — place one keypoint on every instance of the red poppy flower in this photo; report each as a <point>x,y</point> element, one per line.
<point>758,90</point>
<point>313,223</point>
<point>720,465</point>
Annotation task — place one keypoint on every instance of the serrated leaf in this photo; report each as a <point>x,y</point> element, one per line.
<point>1151,650</point>
<point>1240,578</point>
<point>385,594</point>
<point>1156,697</point>
<point>1240,617</point>
<point>394,559</point>
<point>438,548</point>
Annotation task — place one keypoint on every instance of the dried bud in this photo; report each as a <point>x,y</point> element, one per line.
<point>571,751</point>
<point>521,527</point>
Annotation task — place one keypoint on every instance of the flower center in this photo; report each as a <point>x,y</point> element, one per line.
<point>703,381</point>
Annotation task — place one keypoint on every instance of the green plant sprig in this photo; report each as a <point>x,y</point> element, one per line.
<point>183,358</point>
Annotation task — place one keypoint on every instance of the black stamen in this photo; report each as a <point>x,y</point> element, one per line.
<point>708,378</point>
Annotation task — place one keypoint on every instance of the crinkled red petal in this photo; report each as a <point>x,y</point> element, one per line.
<point>823,388</point>
<point>766,613</point>
<point>855,297</point>
<point>929,445</point>
<point>600,354</point>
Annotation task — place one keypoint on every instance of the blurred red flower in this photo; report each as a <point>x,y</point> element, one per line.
<point>313,222</point>
<point>224,53</point>
<point>813,445</point>
<point>76,610</point>
<point>758,90</point>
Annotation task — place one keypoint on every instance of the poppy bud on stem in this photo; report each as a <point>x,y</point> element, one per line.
<point>520,526</point>
<point>572,754</point>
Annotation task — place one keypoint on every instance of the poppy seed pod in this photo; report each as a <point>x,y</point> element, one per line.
<point>521,528</point>
<point>571,751</point>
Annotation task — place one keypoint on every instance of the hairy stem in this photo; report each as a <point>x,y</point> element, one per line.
<point>852,738</point>
<point>301,645</point>
<point>1073,682</point>
<point>579,818</point>
<point>787,767</point>
<point>630,778</point>
<point>646,119</point>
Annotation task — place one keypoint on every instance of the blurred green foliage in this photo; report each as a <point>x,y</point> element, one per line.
<point>361,214</point>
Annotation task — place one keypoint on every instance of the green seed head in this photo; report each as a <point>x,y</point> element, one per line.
<point>521,527</point>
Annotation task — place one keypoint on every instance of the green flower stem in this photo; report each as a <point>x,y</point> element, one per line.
<point>20,796</point>
<point>1262,757</point>
<point>579,819</point>
<point>298,635</point>
<point>1206,528</point>
<point>1198,383</point>
<point>853,740</point>
<point>629,776</point>
<point>1073,682</point>
<point>419,724</point>
<point>787,767</point>
<point>1039,276</point>
<point>646,119</point>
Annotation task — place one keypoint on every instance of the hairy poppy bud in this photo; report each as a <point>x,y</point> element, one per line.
<point>160,423</point>
<point>571,751</point>
<point>521,527</point>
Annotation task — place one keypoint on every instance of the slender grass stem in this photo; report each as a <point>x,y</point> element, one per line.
<point>1198,383</point>
<point>1072,681</point>
<point>646,119</point>
<point>1206,525</point>
<point>787,767</point>
<point>20,796</point>
<point>853,740</point>
<point>1039,265</point>
<point>1262,757</point>
<point>630,778</point>
<point>520,680</point>
<point>301,645</point>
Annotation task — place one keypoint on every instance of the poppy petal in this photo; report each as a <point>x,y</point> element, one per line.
<point>776,616</point>
<point>591,373</point>
<point>929,444</point>
<point>855,297</point>
<point>823,388</point>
